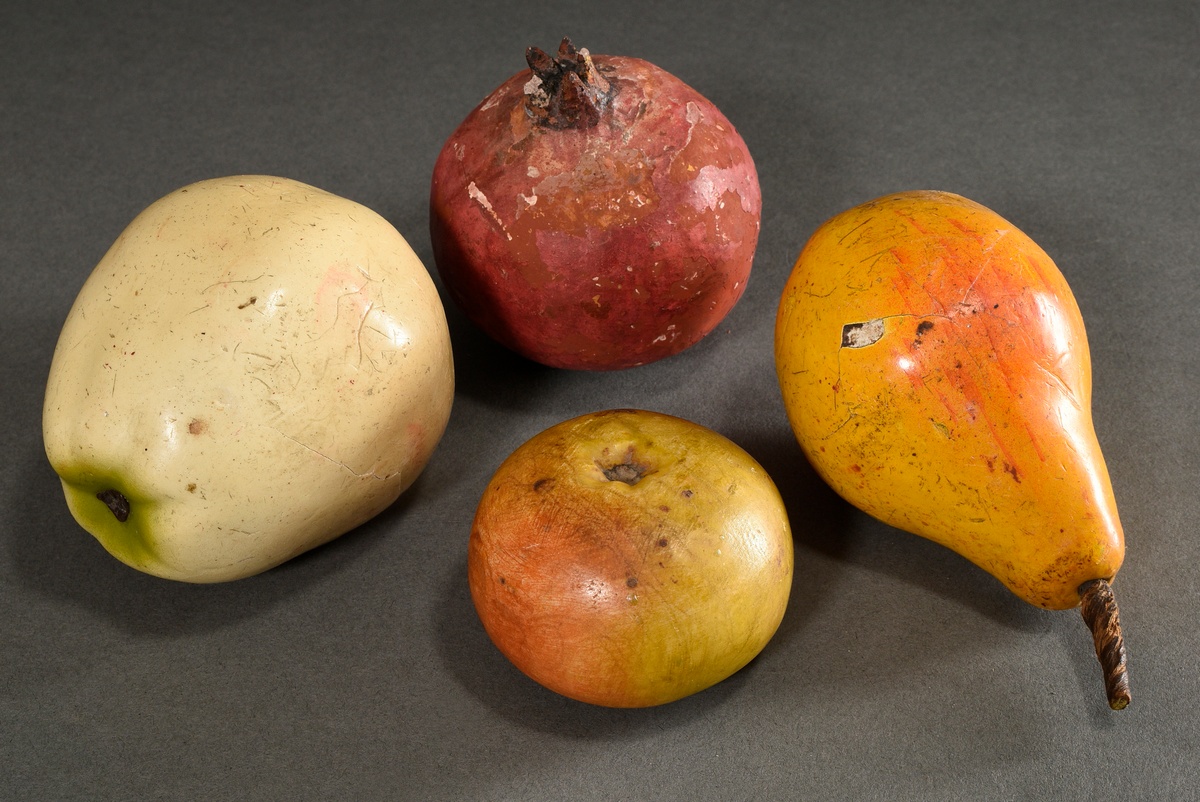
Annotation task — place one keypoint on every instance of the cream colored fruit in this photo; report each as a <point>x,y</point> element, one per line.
<point>255,367</point>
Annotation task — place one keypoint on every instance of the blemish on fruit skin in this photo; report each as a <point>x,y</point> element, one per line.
<point>477,195</point>
<point>860,335</point>
<point>628,471</point>
<point>197,426</point>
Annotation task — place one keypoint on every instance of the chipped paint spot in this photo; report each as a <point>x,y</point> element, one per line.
<point>477,195</point>
<point>860,335</point>
<point>533,90</point>
<point>499,95</point>
<point>711,183</point>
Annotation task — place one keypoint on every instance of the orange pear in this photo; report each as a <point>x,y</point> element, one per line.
<point>935,370</point>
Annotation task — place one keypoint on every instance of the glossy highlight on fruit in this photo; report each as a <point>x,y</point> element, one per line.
<point>595,212</point>
<point>255,367</point>
<point>934,367</point>
<point>628,558</point>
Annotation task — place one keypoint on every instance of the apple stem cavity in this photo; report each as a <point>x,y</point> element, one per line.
<point>1099,608</point>
<point>629,472</point>
<point>116,503</point>
<point>566,91</point>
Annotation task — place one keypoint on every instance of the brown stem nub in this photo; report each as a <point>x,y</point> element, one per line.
<point>566,91</point>
<point>1099,608</point>
<point>116,502</point>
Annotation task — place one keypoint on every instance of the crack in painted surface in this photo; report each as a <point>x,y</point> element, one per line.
<point>322,455</point>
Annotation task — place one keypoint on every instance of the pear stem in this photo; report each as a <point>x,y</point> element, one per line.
<point>1099,608</point>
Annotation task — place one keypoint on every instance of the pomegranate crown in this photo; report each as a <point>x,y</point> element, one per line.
<point>566,91</point>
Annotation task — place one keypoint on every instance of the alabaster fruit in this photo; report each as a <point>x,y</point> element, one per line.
<point>628,558</point>
<point>255,367</point>
<point>935,370</point>
<point>595,212</point>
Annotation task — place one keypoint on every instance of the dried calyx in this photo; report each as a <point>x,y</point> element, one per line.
<point>566,91</point>
<point>628,470</point>
<point>116,503</point>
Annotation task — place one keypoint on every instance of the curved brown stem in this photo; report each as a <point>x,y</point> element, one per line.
<point>1099,608</point>
<point>567,91</point>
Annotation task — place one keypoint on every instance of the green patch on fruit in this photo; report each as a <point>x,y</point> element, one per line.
<point>118,518</point>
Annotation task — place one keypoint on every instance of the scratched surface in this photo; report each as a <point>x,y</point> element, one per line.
<point>360,670</point>
<point>600,247</point>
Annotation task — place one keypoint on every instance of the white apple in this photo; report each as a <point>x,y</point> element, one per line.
<point>255,367</point>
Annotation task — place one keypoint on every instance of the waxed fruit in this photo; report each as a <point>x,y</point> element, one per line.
<point>255,367</point>
<point>935,369</point>
<point>595,212</point>
<point>628,558</point>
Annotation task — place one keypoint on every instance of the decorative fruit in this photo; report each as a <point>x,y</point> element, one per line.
<point>255,367</point>
<point>629,558</point>
<point>595,212</point>
<point>935,370</point>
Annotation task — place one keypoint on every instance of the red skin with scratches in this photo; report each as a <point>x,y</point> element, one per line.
<point>600,247</point>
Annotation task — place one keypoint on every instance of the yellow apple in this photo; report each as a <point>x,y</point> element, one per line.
<point>255,367</point>
<point>628,558</point>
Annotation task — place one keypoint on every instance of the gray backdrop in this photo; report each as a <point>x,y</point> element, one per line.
<point>360,671</point>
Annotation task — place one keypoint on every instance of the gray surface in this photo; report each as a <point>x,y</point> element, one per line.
<point>360,671</point>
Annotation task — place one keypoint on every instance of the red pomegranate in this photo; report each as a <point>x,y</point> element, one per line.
<point>595,212</point>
